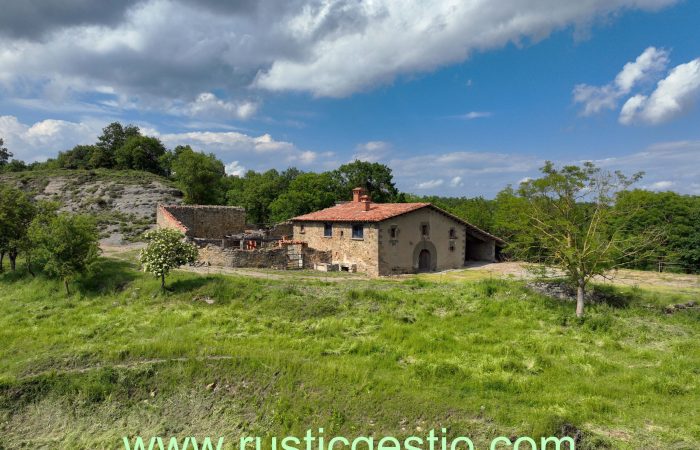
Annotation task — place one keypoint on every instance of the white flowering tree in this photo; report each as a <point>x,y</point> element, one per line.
<point>166,250</point>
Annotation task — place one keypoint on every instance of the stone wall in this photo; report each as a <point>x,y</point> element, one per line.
<point>283,229</point>
<point>272,258</point>
<point>344,250</point>
<point>200,221</point>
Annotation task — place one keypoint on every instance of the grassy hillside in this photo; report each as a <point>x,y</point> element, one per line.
<point>225,355</point>
<point>123,201</point>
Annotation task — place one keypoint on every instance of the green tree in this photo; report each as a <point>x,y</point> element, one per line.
<point>5,154</point>
<point>113,137</point>
<point>140,153</point>
<point>66,244</point>
<point>569,214</point>
<point>374,177</point>
<point>200,176</point>
<point>15,165</point>
<point>16,213</point>
<point>306,193</point>
<point>166,250</point>
<point>674,214</point>
<point>79,157</point>
<point>256,192</point>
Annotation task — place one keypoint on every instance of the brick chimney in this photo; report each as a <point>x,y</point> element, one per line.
<point>357,193</point>
<point>366,202</point>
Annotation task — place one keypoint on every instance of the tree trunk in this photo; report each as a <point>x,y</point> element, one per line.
<point>579,298</point>
<point>2,257</point>
<point>13,259</point>
<point>65,283</point>
<point>162,280</point>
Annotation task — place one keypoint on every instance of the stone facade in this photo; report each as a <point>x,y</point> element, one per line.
<point>424,239</point>
<point>198,221</point>
<point>344,249</point>
<point>444,241</point>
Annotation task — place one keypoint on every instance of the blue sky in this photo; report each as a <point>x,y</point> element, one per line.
<point>459,98</point>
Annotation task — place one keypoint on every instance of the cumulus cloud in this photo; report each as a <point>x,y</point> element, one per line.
<point>674,95</point>
<point>234,168</point>
<point>208,105</point>
<point>595,99</point>
<point>44,139</point>
<point>261,152</point>
<point>177,49</point>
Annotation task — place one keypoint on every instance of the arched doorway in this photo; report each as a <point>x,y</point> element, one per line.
<point>424,261</point>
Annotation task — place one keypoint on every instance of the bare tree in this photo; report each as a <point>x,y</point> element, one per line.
<point>570,216</point>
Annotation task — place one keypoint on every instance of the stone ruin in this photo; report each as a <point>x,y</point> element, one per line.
<point>223,239</point>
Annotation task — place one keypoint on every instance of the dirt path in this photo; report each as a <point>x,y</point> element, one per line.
<point>514,270</point>
<point>625,277</point>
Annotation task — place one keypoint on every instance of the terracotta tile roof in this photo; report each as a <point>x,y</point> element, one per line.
<point>354,212</point>
<point>378,212</point>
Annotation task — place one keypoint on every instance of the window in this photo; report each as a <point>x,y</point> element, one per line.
<point>327,230</point>
<point>452,247</point>
<point>453,233</point>
<point>301,229</point>
<point>393,232</point>
<point>358,231</point>
<point>424,230</point>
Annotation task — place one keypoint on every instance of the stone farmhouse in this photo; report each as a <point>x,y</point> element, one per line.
<point>394,238</point>
<point>356,236</point>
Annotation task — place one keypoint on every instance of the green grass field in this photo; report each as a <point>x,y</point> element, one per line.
<point>227,355</point>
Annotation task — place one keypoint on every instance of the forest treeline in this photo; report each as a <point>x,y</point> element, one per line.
<point>274,196</point>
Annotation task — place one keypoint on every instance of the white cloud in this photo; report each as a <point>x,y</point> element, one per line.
<point>151,52</point>
<point>456,182</point>
<point>372,151</point>
<point>207,105</point>
<point>475,115</point>
<point>677,161</point>
<point>44,139</point>
<point>415,36</point>
<point>647,66</point>
<point>650,63</point>
<point>674,95</point>
<point>239,151</point>
<point>234,168</point>
<point>258,152</point>
<point>430,184</point>
<point>661,185</point>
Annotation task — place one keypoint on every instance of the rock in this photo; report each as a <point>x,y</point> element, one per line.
<point>679,306</point>
<point>670,309</point>
<point>211,386</point>
<point>691,304</point>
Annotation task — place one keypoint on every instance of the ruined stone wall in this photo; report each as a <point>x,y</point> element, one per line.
<point>400,254</point>
<point>271,258</point>
<point>164,219</point>
<point>282,229</point>
<point>201,221</point>
<point>345,250</point>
